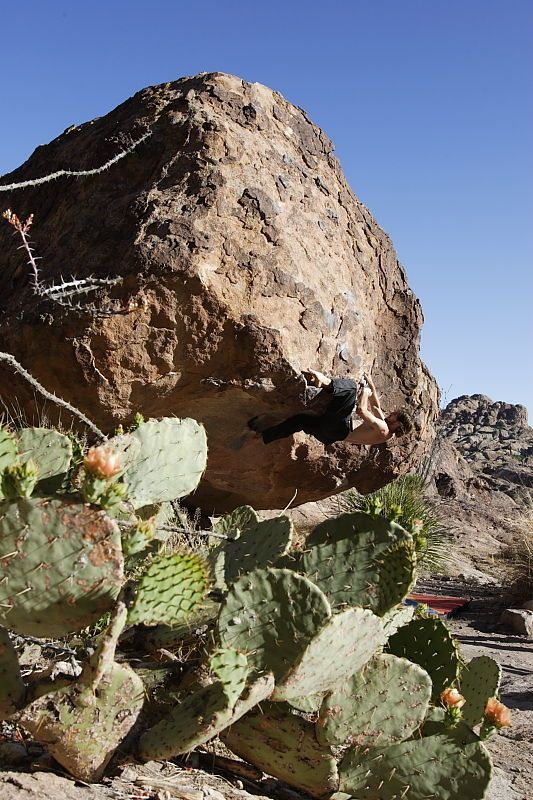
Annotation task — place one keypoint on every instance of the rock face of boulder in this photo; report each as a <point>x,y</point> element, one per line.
<point>244,258</point>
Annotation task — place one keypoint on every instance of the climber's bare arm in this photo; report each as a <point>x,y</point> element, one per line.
<point>317,378</point>
<point>374,397</point>
<point>372,422</point>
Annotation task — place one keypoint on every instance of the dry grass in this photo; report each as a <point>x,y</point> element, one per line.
<point>519,558</point>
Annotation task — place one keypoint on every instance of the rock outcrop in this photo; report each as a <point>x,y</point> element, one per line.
<point>482,471</point>
<point>244,257</point>
<point>496,442</point>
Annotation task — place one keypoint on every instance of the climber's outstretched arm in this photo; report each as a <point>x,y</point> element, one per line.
<point>374,397</point>
<point>375,422</point>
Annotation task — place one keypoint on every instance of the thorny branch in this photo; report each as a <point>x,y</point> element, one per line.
<point>75,173</point>
<point>48,395</point>
<point>63,292</point>
<point>58,292</point>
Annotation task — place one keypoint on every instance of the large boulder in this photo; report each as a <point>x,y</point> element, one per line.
<point>244,256</point>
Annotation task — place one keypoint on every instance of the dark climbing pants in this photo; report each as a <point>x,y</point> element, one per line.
<point>333,425</point>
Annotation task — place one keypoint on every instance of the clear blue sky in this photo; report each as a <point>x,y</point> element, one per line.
<point>428,103</point>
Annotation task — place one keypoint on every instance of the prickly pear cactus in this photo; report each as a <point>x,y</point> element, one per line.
<point>236,522</point>
<point>396,618</point>
<point>343,645</point>
<point>272,615</point>
<point>8,451</point>
<point>62,564</point>
<point>428,642</point>
<point>11,684</point>
<point>374,568</point>
<point>205,712</point>
<point>82,729</point>
<point>284,745</point>
<point>231,668</point>
<point>352,525</point>
<point>480,680</point>
<point>167,464</point>
<point>259,545</point>
<point>49,449</point>
<point>170,591</point>
<point>381,704</point>
<point>451,764</point>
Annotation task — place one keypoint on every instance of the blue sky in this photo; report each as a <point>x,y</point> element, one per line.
<point>428,103</point>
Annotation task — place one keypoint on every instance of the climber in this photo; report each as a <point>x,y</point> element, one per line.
<point>335,424</point>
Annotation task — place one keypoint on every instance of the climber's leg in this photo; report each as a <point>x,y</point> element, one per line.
<point>298,422</point>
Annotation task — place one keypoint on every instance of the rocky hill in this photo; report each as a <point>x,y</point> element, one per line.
<point>495,440</point>
<point>482,476</point>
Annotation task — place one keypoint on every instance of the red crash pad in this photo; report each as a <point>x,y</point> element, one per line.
<point>444,605</point>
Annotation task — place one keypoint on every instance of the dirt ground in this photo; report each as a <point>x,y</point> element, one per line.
<point>476,629</point>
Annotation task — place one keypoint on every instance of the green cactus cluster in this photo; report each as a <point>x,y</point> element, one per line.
<point>305,662</point>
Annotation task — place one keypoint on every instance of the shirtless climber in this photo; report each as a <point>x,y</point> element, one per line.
<point>335,424</point>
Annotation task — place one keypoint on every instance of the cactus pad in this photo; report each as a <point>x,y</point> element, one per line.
<point>383,703</point>
<point>236,522</point>
<point>11,683</point>
<point>383,532</point>
<point>62,566</point>
<point>168,463</point>
<point>82,730</point>
<point>449,765</point>
<point>396,618</point>
<point>428,642</point>
<point>259,545</point>
<point>284,745</point>
<point>202,715</point>
<point>50,450</point>
<point>231,669</point>
<point>8,449</point>
<point>480,680</point>
<point>170,590</point>
<point>355,570</point>
<point>271,615</point>
<point>344,644</point>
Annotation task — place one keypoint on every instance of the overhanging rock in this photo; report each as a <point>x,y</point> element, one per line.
<point>245,257</point>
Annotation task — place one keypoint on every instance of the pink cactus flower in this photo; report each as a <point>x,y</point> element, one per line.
<point>497,714</point>
<point>451,698</point>
<point>102,461</point>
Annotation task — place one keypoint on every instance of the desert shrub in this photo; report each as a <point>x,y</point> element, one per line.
<point>406,501</point>
<point>519,557</point>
